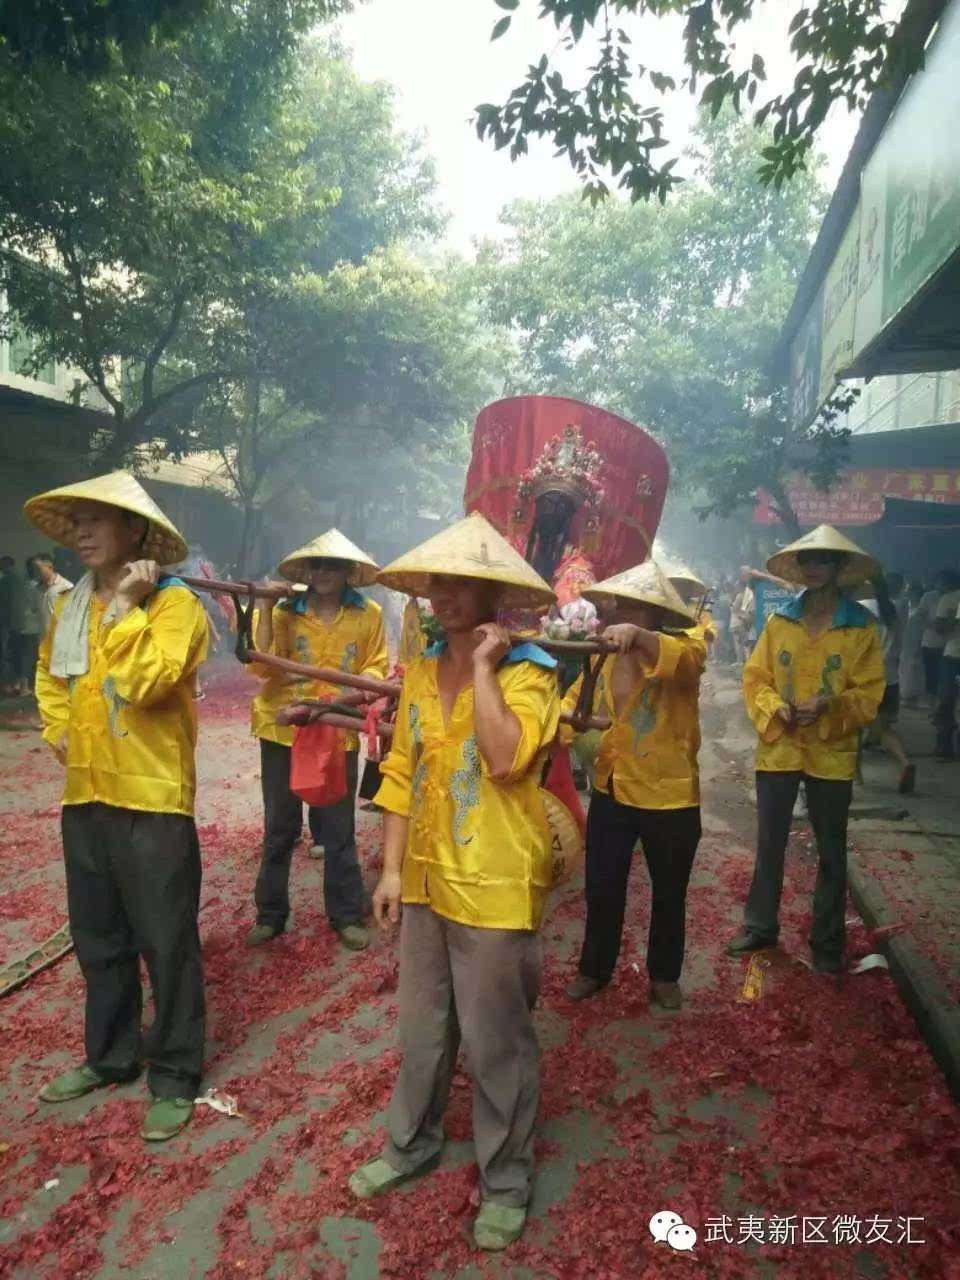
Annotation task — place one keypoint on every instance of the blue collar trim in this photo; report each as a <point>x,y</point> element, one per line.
<point>351,599</point>
<point>526,652</point>
<point>849,613</point>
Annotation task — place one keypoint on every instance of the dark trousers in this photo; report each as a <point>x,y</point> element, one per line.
<point>29,646</point>
<point>945,716</point>
<point>931,669</point>
<point>12,655</point>
<point>669,838</point>
<point>828,804</point>
<point>133,889</point>
<point>331,826</point>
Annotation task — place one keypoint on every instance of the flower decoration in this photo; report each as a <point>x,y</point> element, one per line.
<point>574,621</point>
<point>566,465</point>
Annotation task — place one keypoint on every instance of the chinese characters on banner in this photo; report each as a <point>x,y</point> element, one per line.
<point>839,310</point>
<point>769,598</point>
<point>858,499</point>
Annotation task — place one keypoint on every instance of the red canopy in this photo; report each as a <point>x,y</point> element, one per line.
<point>511,435</point>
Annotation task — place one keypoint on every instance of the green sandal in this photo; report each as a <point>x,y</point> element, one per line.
<point>165,1118</point>
<point>377,1176</point>
<point>72,1084</point>
<point>355,937</point>
<point>497,1225</point>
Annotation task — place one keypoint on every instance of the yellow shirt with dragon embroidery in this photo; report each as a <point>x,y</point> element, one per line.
<point>478,849</point>
<point>412,640</point>
<point>648,757</point>
<point>788,667</point>
<point>354,641</point>
<point>130,723</point>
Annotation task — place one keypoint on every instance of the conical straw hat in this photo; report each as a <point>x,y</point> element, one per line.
<point>332,545</point>
<point>685,579</point>
<point>858,568</point>
<point>646,584</point>
<point>52,513</point>
<point>472,548</point>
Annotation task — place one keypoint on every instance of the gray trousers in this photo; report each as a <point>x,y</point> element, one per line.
<point>828,803</point>
<point>479,986</point>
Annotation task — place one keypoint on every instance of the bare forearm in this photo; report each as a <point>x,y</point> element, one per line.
<point>394,842</point>
<point>497,728</point>
<point>761,576</point>
<point>646,646</point>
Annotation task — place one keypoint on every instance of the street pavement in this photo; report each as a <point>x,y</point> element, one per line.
<point>798,1125</point>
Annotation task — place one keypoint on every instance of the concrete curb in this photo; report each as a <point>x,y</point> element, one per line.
<point>935,1013</point>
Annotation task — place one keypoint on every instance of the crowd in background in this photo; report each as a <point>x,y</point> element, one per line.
<point>26,605</point>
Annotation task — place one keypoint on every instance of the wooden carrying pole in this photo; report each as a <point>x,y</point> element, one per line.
<point>560,648</point>
<point>308,710</point>
<point>581,718</point>
<point>248,589</point>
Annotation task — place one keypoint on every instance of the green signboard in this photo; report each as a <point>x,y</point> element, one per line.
<point>840,309</point>
<point>905,227</point>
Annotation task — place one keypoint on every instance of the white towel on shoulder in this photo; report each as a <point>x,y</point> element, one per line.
<point>70,655</point>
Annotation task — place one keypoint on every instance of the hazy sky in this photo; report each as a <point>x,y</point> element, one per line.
<point>438,55</point>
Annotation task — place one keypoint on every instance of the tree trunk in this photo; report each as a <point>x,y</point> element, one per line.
<point>248,538</point>
<point>113,451</point>
<point>785,511</point>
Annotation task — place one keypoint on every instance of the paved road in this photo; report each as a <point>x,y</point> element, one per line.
<point>812,1111</point>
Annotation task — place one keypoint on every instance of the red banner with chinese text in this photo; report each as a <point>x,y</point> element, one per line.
<point>510,436</point>
<point>858,498</point>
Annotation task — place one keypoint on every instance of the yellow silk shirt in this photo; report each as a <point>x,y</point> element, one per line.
<point>788,667</point>
<point>354,641</point>
<point>130,723</point>
<point>478,850</point>
<point>648,756</point>
<point>412,639</point>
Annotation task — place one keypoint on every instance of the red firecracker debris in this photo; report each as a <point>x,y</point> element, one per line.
<point>817,1099</point>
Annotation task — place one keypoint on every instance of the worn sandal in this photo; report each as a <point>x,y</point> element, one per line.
<point>377,1176</point>
<point>72,1084</point>
<point>165,1118</point>
<point>497,1225</point>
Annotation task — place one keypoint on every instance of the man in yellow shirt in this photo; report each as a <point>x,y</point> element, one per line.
<point>330,625</point>
<point>467,853</point>
<point>813,682</point>
<point>115,690</point>
<point>646,785</point>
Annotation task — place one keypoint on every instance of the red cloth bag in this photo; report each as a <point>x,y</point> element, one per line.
<point>318,764</point>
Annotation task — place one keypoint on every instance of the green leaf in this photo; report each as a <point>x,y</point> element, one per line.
<point>500,27</point>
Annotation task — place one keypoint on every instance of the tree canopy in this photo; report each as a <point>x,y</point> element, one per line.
<point>174,225</point>
<point>844,52</point>
<point>229,257</point>
<point>668,315</point>
<point>611,126</point>
<point>93,37</point>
